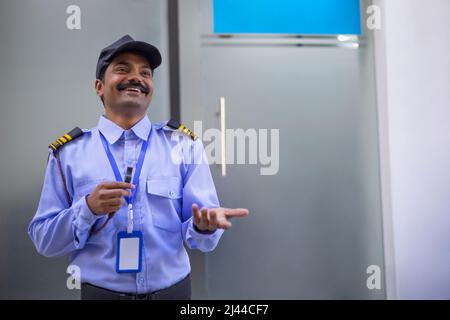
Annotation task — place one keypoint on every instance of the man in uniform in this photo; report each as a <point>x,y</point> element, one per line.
<point>122,197</point>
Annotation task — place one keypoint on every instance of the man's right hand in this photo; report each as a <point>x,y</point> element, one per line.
<point>108,197</point>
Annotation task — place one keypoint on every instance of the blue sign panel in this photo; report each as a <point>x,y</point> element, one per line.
<point>316,17</point>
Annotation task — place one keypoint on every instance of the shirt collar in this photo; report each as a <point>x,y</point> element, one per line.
<point>113,132</point>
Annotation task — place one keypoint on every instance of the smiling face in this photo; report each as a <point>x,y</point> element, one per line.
<point>127,85</point>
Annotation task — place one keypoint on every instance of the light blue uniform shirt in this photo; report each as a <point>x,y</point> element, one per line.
<point>172,179</point>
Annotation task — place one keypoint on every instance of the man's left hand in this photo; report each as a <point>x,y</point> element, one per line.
<point>215,218</point>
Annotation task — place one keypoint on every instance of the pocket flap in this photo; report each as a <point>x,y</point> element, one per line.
<point>169,187</point>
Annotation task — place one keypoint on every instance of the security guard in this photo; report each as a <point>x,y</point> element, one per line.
<point>122,197</point>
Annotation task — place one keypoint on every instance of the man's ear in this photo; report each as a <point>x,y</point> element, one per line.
<point>99,87</point>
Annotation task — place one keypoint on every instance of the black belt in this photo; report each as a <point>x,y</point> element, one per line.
<point>179,291</point>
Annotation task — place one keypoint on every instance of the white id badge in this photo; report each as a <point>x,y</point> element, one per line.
<point>129,252</point>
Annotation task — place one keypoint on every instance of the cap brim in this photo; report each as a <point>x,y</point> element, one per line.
<point>151,53</point>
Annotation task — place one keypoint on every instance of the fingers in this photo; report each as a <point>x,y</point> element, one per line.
<point>112,205</point>
<point>202,219</point>
<point>113,202</point>
<point>213,222</point>
<point>196,214</point>
<point>113,193</point>
<point>205,218</point>
<point>236,213</point>
<point>116,185</point>
<point>210,219</point>
<point>218,219</point>
<point>224,224</point>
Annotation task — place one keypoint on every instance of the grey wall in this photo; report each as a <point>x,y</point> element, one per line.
<point>46,89</point>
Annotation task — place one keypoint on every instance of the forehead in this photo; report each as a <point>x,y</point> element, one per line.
<point>130,57</point>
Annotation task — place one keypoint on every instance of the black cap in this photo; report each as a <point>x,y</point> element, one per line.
<point>127,43</point>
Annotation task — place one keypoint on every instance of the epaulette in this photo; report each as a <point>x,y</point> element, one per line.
<point>180,127</point>
<point>66,138</point>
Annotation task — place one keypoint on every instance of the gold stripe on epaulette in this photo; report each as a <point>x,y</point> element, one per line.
<point>66,138</point>
<point>182,128</point>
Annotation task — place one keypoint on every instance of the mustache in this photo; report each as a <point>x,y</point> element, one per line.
<point>131,84</point>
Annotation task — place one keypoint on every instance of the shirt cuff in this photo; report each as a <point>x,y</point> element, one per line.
<point>202,241</point>
<point>202,232</point>
<point>84,218</point>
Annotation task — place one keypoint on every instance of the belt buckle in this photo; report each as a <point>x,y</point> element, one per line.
<point>141,296</point>
<point>154,295</point>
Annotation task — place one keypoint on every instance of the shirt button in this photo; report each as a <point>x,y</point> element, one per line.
<point>141,280</point>
<point>171,193</point>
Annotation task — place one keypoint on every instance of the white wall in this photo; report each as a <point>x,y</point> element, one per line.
<point>413,80</point>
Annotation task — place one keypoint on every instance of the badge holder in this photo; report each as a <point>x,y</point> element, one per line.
<point>129,252</point>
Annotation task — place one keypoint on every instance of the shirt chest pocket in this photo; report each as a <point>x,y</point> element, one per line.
<point>165,197</point>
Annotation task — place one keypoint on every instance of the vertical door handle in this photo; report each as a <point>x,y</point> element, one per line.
<point>222,136</point>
